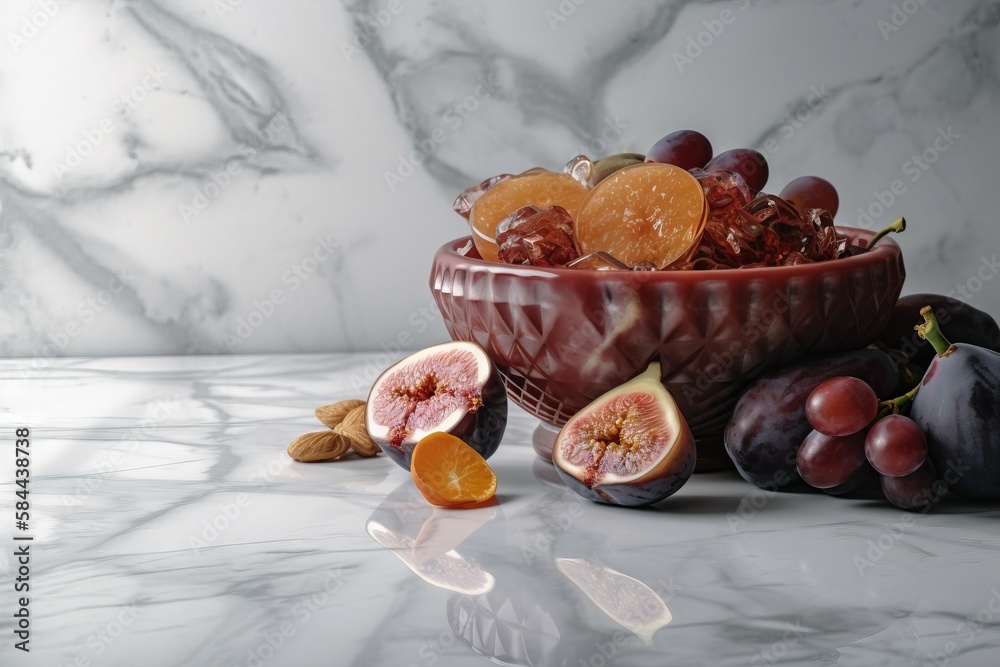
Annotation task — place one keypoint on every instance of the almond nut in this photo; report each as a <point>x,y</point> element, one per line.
<point>333,414</point>
<point>353,428</point>
<point>319,446</point>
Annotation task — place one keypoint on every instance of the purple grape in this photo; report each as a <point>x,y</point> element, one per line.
<point>686,149</point>
<point>825,461</point>
<point>916,491</point>
<point>811,192</point>
<point>896,446</point>
<point>746,162</point>
<point>841,406</point>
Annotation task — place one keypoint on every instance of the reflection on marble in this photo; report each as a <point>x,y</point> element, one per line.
<point>180,176</point>
<point>170,528</point>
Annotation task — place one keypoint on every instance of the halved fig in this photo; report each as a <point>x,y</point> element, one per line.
<point>452,387</point>
<point>631,446</point>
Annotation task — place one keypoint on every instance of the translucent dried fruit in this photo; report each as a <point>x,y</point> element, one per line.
<point>644,213</point>
<point>598,261</point>
<point>536,237</point>
<point>463,204</point>
<point>581,168</point>
<point>541,189</point>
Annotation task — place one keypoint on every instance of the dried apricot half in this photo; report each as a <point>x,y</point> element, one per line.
<point>543,189</point>
<point>644,213</point>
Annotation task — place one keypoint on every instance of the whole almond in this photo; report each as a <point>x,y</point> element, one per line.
<point>319,446</point>
<point>353,428</point>
<point>333,414</point>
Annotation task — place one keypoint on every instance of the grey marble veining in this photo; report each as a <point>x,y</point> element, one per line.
<point>243,177</point>
<point>170,528</point>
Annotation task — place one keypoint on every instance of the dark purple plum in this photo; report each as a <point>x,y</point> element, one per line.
<point>769,423</point>
<point>962,322</point>
<point>746,162</point>
<point>686,149</point>
<point>958,408</point>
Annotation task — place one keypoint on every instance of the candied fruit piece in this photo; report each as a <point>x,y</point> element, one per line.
<point>598,261</point>
<point>646,212</point>
<point>542,189</point>
<point>463,204</point>
<point>581,168</point>
<point>537,237</point>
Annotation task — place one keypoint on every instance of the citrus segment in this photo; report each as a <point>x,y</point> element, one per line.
<point>448,472</point>
<point>543,189</point>
<point>645,213</point>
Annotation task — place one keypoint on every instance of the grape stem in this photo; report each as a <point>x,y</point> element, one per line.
<point>898,226</point>
<point>896,405</point>
<point>930,331</point>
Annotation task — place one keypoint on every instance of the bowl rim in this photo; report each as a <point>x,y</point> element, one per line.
<point>887,248</point>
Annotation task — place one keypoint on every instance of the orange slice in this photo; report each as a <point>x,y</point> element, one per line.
<point>543,189</point>
<point>645,213</point>
<point>448,472</point>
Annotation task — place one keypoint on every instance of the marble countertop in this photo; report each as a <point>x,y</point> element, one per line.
<point>170,528</point>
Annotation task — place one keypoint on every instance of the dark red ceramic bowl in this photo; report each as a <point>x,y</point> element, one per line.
<point>562,337</point>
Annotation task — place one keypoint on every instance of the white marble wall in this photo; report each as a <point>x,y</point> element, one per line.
<point>170,169</point>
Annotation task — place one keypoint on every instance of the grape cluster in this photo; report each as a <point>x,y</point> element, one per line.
<point>855,435</point>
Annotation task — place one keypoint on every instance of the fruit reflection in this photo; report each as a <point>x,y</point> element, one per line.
<point>425,539</point>
<point>627,601</point>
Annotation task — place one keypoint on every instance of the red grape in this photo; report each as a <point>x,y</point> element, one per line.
<point>746,162</point>
<point>825,461</point>
<point>686,149</point>
<point>896,446</point>
<point>811,192</point>
<point>841,406</point>
<point>916,491</point>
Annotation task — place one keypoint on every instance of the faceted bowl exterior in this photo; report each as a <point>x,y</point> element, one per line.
<point>563,337</point>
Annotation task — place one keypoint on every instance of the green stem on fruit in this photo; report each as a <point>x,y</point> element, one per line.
<point>896,405</point>
<point>898,226</point>
<point>609,165</point>
<point>930,331</point>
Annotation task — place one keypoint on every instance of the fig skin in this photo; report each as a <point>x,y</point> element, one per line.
<point>769,423</point>
<point>482,430</point>
<point>958,408</point>
<point>961,322</point>
<point>663,479</point>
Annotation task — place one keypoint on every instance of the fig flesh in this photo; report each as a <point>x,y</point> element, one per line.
<point>451,387</point>
<point>962,322</point>
<point>769,423</point>
<point>630,446</point>
<point>958,408</point>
